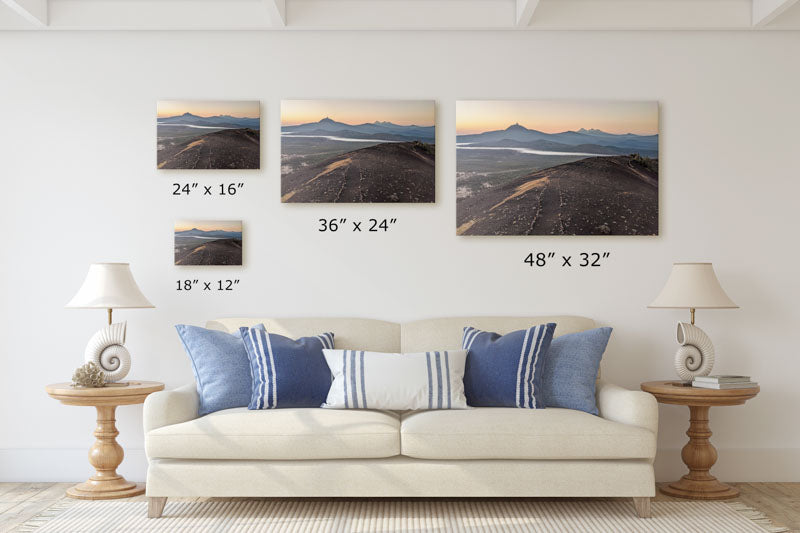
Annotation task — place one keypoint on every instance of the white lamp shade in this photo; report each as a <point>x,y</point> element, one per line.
<point>693,286</point>
<point>109,286</point>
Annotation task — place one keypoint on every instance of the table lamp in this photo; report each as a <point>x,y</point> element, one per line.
<point>693,286</point>
<point>109,286</point>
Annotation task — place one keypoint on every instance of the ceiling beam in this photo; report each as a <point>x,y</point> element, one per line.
<point>374,15</point>
<point>159,15</point>
<point>765,11</point>
<point>525,9</point>
<point>34,11</point>
<point>642,15</point>
<point>277,11</point>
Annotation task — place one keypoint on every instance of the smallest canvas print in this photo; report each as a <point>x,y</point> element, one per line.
<point>208,242</point>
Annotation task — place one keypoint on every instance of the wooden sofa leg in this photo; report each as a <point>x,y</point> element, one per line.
<point>642,506</point>
<point>155,506</point>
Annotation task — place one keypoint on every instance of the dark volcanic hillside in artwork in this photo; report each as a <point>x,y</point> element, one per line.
<point>387,172</point>
<point>223,149</point>
<point>215,252</point>
<point>593,196</point>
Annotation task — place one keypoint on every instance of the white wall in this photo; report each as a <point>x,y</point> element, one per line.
<point>79,184</point>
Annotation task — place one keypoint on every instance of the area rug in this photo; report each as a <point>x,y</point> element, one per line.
<point>565,516</point>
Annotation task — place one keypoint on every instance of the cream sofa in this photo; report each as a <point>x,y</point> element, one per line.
<point>481,452</point>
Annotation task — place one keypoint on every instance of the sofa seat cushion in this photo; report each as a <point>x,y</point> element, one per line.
<point>280,434</point>
<point>509,433</point>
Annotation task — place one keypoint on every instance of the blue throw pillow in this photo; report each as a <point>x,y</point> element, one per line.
<point>220,365</point>
<point>571,369</point>
<point>506,371</point>
<point>286,372</point>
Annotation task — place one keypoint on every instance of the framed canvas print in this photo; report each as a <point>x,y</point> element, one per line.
<point>352,151</point>
<point>556,168</point>
<point>208,242</point>
<point>205,134</point>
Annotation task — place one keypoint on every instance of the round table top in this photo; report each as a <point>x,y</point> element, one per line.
<point>114,394</point>
<point>674,392</point>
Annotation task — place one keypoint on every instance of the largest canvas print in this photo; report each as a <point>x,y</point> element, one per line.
<point>358,151</point>
<point>557,168</point>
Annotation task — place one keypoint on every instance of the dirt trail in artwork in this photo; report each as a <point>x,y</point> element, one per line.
<point>522,189</point>
<point>549,220</point>
<point>330,168</point>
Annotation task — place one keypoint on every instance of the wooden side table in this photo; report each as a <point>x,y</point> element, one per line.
<point>106,454</point>
<point>698,454</point>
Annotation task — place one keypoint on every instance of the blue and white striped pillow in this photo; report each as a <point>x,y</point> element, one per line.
<point>376,380</point>
<point>286,372</point>
<point>506,371</point>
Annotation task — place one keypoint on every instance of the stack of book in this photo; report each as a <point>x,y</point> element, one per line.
<point>723,382</point>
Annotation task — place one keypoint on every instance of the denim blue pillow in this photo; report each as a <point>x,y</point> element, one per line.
<point>571,369</point>
<point>220,365</point>
<point>286,372</point>
<point>506,371</point>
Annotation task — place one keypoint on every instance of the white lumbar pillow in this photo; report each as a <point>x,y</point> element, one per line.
<point>396,381</point>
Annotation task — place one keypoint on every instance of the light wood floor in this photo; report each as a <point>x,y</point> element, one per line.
<point>21,501</point>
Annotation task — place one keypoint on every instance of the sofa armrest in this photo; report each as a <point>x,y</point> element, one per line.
<point>169,407</point>
<point>632,407</point>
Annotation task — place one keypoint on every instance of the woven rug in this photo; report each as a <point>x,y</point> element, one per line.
<point>565,516</point>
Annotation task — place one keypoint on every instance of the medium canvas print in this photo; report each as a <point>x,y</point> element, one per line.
<point>556,168</point>
<point>350,151</point>
<point>195,134</point>
<point>208,242</point>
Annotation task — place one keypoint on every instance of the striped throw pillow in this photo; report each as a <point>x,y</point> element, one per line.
<point>506,370</point>
<point>395,381</point>
<point>286,372</point>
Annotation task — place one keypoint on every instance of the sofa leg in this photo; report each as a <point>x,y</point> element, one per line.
<point>155,506</point>
<point>642,506</point>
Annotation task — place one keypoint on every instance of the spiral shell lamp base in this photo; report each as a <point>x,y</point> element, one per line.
<point>106,349</point>
<point>695,357</point>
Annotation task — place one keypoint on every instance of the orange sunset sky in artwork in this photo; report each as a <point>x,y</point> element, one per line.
<point>555,116</point>
<point>209,225</point>
<point>401,112</point>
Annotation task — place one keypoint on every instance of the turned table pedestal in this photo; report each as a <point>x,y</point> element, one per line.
<point>106,454</point>
<point>698,454</point>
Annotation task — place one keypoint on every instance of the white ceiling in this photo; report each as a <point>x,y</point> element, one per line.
<point>399,14</point>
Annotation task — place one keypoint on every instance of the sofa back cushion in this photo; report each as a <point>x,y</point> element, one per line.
<point>446,333</point>
<point>351,333</point>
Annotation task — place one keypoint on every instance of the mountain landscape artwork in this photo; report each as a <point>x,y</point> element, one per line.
<point>195,134</point>
<point>351,151</point>
<point>556,168</point>
<point>208,242</point>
